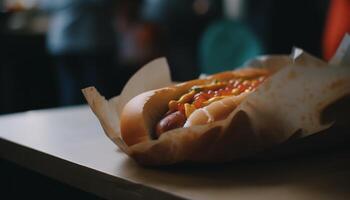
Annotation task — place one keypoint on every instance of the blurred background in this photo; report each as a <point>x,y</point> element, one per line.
<point>50,49</point>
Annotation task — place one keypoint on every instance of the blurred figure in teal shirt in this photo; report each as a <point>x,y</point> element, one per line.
<point>81,38</point>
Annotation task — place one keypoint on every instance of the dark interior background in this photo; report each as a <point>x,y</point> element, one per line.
<point>28,80</point>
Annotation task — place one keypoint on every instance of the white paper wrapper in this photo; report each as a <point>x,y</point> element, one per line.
<point>342,56</point>
<point>155,74</point>
<point>289,104</point>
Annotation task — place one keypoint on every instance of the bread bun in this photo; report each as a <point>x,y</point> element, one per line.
<point>215,111</point>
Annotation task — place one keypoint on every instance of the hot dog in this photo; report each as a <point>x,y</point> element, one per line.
<point>195,102</point>
<point>203,95</point>
<point>288,100</point>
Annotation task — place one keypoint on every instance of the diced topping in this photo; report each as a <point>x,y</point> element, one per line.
<point>189,108</point>
<point>202,95</point>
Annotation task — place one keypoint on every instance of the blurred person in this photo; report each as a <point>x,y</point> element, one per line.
<point>138,39</point>
<point>267,27</point>
<point>81,38</point>
<point>182,22</point>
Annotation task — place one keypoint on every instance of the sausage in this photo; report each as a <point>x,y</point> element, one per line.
<point>174,120</point>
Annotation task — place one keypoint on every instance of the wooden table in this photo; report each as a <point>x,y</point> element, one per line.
<point>69,145</point>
